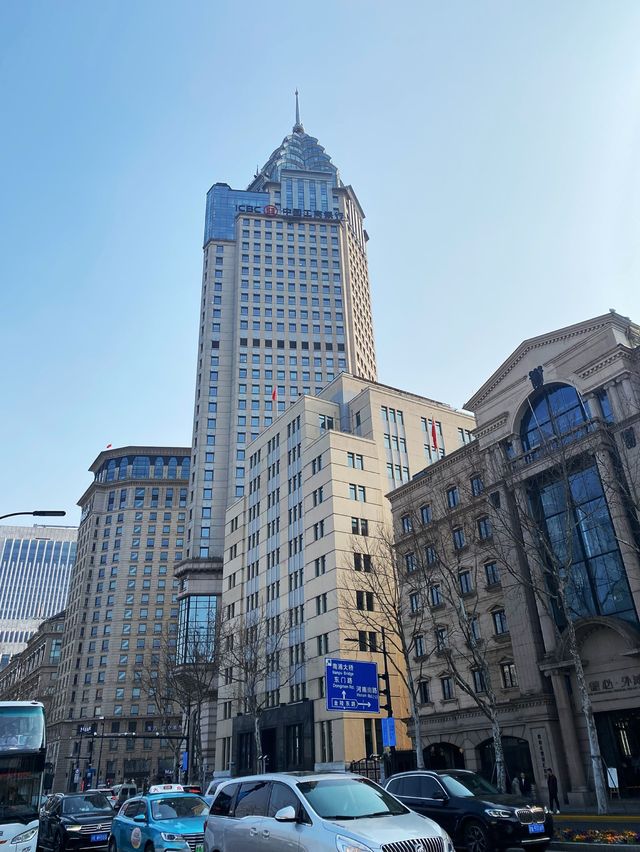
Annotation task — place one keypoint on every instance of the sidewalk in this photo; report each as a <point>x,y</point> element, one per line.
<point>625,806</point>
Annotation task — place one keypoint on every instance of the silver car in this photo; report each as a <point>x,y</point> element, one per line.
<point>315,813</point>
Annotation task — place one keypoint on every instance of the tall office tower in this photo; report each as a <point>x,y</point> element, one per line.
<point>35,567</point>
<point>106,723</point>
<point>285,308</point>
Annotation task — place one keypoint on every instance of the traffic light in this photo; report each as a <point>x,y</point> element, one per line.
<point>385,690</point>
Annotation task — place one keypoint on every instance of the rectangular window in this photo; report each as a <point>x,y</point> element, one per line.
<point>446,684</point>
<point>458,538</point>
<point>420,646</point>
<point>410,562</point>
<point>479,683</point>
<point>500,622</point>
<point>358,492</point>
<point>484,529</point>
<point>425,514</point>
<point>435,594</point>
<point>477,486</point>
<point>430,554</point>
<point>414,602</point>
<point>466,582</point>
<point>492,573</point>
<point>355,460</point>
<point>509,675</point>
<point>453,498</point>
<point>364,601</point>
<point>423,692</point>
<point>407,524</point>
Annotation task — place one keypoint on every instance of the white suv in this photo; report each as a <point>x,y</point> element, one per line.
<point>315,813</point>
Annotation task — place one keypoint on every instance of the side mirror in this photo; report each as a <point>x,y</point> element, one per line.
<point>139,818</point>
<point>287,814</point>
<point>440,796</point>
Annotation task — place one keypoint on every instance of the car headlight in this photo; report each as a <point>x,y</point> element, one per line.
<point>26,836</point>
<point>346,844</point>
<point>499,813</point>
<point>448,843</point>
<point>73,827</point>
<point>172,838</point>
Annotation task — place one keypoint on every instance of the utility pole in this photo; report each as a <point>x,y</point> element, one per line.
<point>386,691</point>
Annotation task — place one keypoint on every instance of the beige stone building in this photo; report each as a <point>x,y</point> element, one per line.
<point>105,724</point>
<point>546,494</point>
<point>296,547</point>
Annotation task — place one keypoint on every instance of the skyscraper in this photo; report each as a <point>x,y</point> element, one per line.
<point>285,308</point>
<point>35,566</point>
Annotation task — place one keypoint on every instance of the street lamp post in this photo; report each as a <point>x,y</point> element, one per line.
<point>100,752</point>
<point>38,513</point>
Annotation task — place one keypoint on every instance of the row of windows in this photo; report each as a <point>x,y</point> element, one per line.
<point>508,674</point>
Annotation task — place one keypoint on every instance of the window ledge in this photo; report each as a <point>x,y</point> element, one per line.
<point>502,637</point>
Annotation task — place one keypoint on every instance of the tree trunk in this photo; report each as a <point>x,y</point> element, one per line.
<point>258,742</point>
<point>501,782</point>
<point>417,733</point>
<point>599,782</point>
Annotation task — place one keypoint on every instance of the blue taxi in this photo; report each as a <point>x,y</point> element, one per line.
<point>166,819</point>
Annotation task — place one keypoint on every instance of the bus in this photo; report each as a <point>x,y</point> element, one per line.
<point>22,763</point>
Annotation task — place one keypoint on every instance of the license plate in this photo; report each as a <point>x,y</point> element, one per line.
<point>200,847</point>
<point>536,828</point>
<point>99,838</point>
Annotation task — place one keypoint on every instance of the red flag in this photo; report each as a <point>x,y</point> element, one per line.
<point>274,394</point>
<point>109,446</point>
<point>434,434</point>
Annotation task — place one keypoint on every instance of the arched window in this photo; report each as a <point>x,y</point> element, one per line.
<point>111,470</point>
<point>158,467</point>
<point>555,411</point>
<point>172,468</point>
<point>185,468</point>
<point>122,473</point>
<point>140,469</point>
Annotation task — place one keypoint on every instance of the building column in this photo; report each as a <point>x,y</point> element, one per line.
<point>576,786</point>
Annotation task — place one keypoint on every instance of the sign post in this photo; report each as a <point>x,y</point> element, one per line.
<point>351,686</point>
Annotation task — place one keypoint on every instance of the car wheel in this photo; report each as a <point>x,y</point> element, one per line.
<point>149,848</point>
<point>538,847</point>
<point>475,837</point>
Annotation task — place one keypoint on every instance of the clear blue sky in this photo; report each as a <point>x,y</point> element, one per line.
<point>495,147</point>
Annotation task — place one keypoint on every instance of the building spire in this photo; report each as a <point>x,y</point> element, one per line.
<point>297,127</point>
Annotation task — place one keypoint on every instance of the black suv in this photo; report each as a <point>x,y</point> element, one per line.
<point>473,812</point>
<point>74,822</point>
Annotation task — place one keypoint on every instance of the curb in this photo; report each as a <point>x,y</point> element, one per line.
<point>567,845</point>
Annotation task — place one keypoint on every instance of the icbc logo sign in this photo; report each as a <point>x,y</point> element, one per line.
<point>270,210</point>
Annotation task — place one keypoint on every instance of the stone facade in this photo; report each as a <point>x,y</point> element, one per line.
<point>104,724</point>
<point>548,489</point>
<point>297,548</point>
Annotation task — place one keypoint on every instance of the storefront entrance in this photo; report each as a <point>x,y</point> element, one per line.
<point>619,736</point>
<point>443,756</point>
<point>517,759</point>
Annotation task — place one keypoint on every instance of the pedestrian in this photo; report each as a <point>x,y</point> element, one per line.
<point>524,784</point>
<point>515,786</point>
<point>552,784</point>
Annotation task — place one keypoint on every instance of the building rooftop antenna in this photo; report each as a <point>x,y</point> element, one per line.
<point>297,127</point>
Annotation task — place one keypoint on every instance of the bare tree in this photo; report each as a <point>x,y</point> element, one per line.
<point>537,537</point>
<point>378,598</point>
<point>261,656</point>
<point>181,679</point>
<point>442,591</point>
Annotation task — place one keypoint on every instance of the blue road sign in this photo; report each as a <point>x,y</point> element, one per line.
<point>352,686</point>
<point>389,731</point>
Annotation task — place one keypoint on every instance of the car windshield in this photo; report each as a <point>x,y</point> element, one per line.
<point>94,803</point>
<point>468,785</point>
<point>177,807</point>
<point>349,798</point>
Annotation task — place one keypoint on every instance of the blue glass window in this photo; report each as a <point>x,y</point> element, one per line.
<point>575,516</point>
<point>556,411</point>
